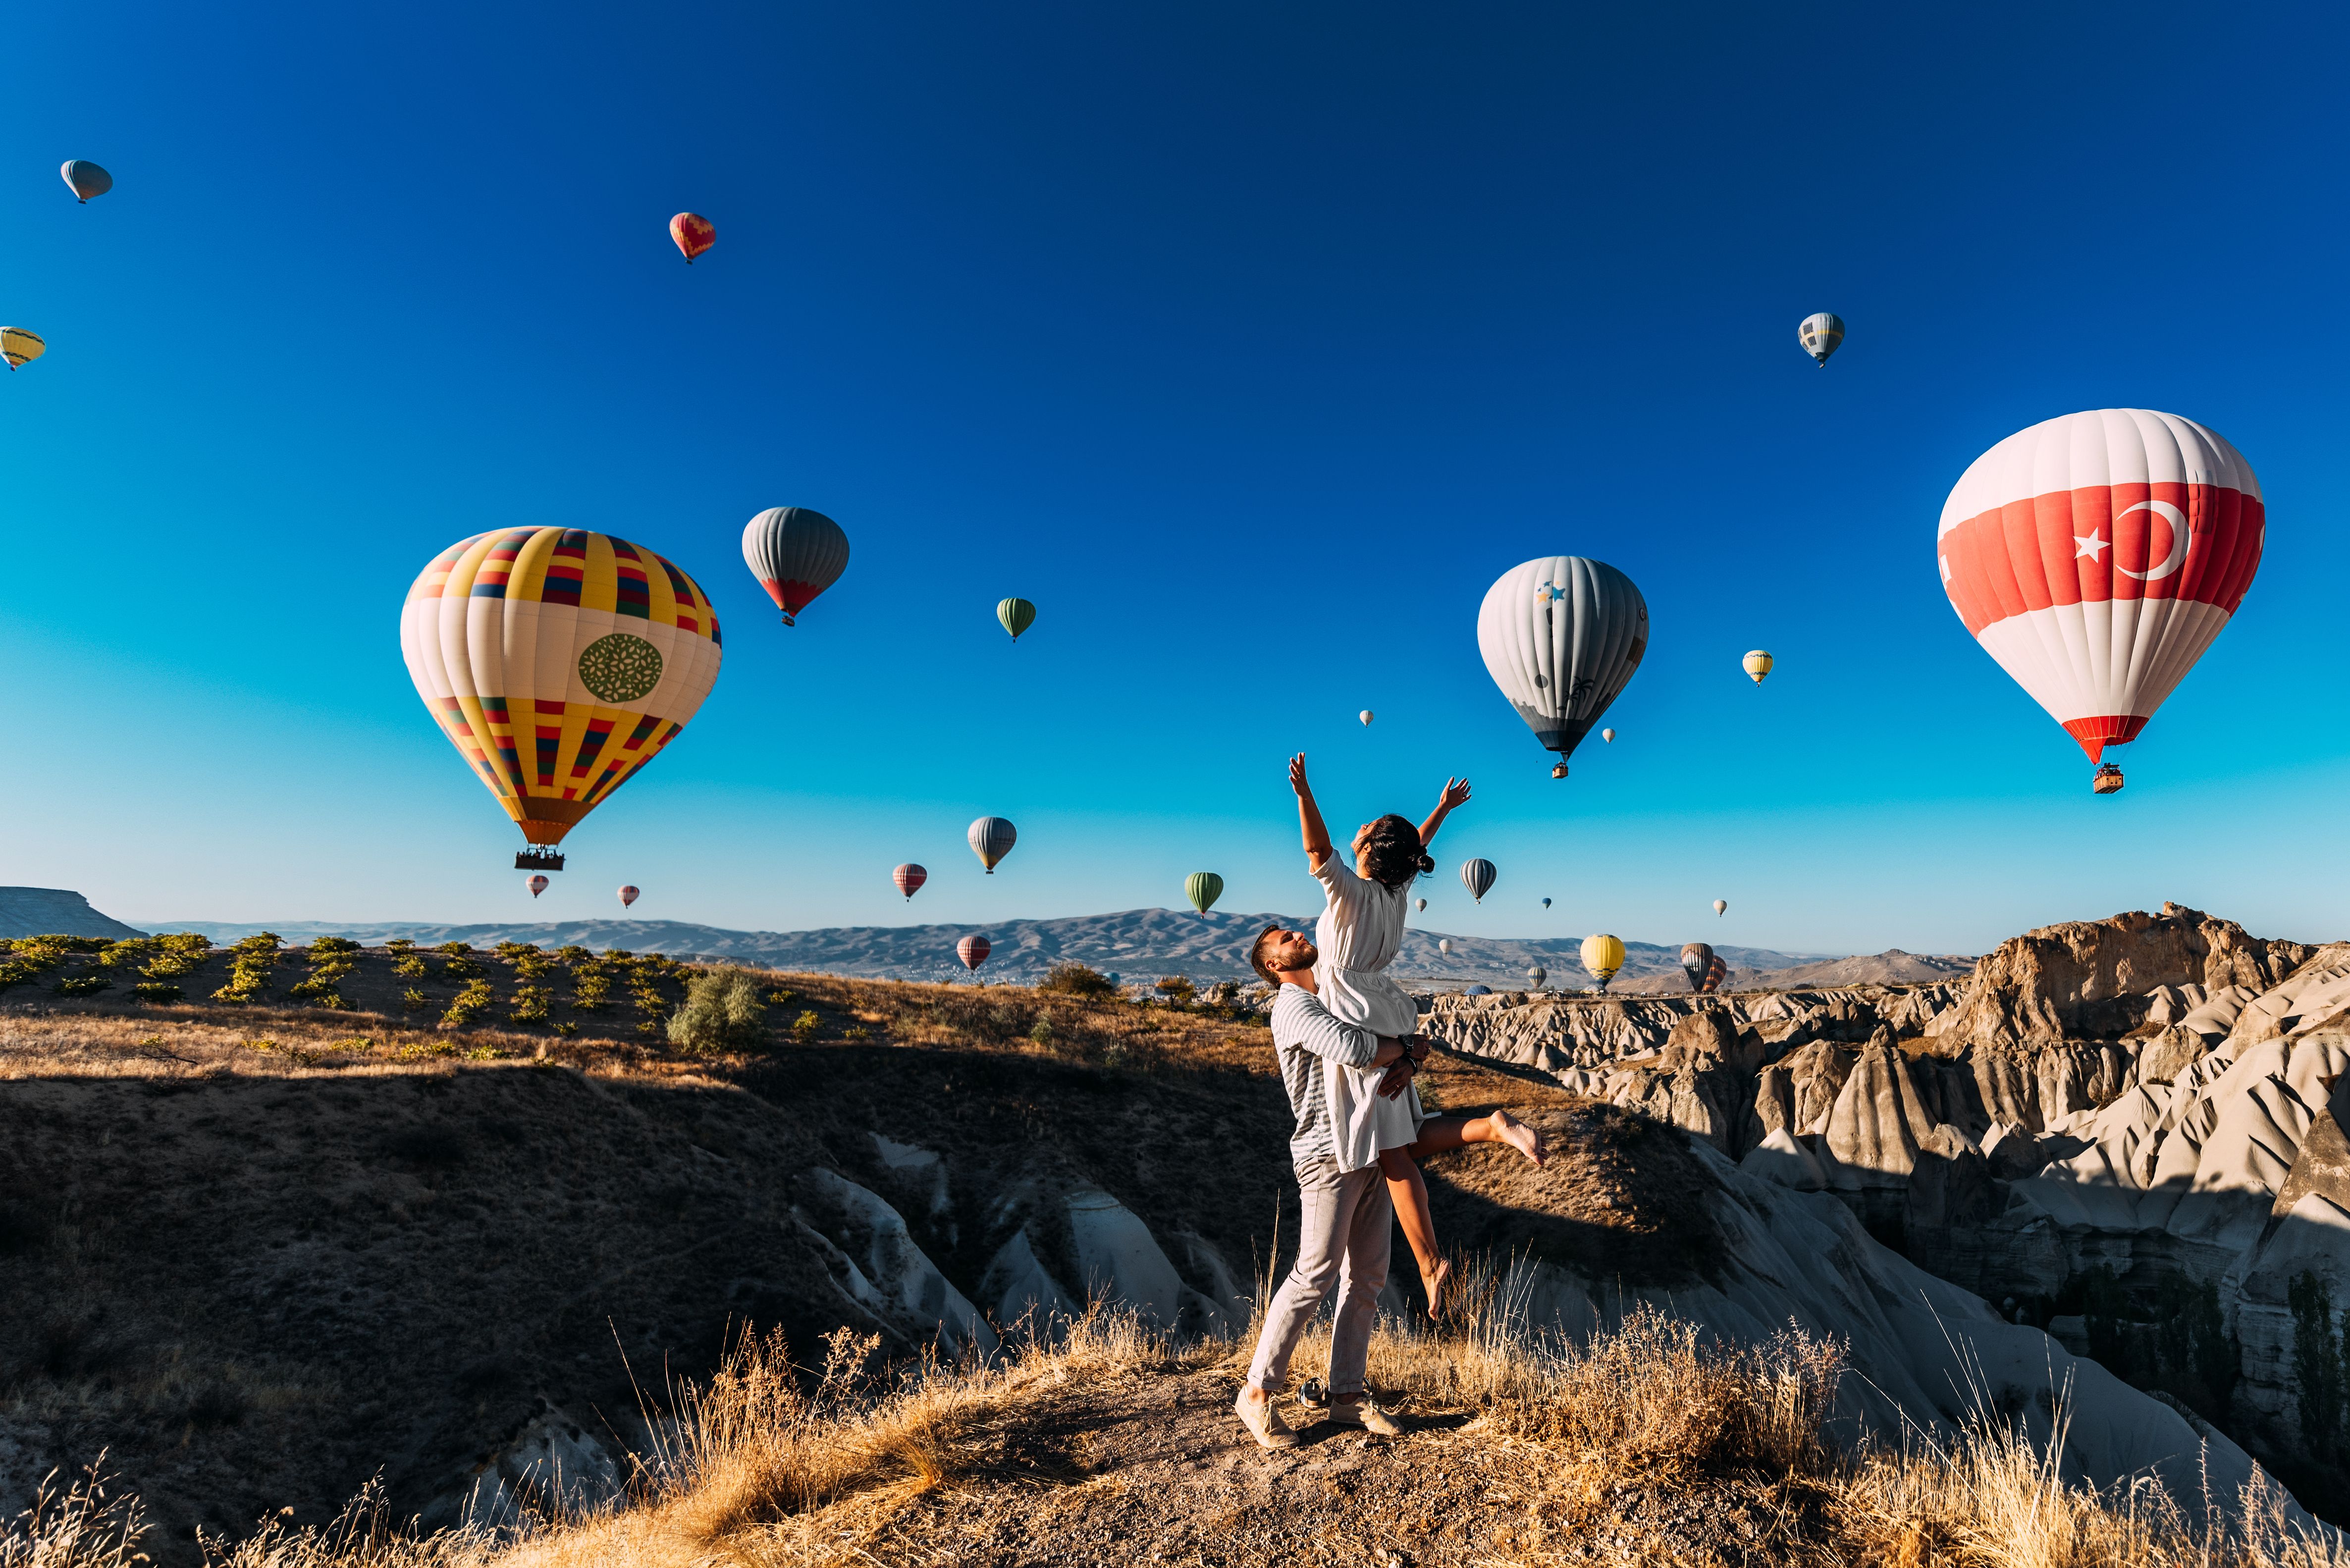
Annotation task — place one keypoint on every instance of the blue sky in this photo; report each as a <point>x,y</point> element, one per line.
<point>1251,343</point>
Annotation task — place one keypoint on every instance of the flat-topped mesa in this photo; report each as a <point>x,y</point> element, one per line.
<point>2100,980</point>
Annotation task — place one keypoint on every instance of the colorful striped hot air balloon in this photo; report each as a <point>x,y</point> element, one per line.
<point>537,885</point>
<point>1696,959</point>
<point>910,878</point>
<point>1819,334</point>
<point>1536,975</point>
<point>1562,637</point>
<point>1017,616</point>
<point>973,952</point>
<point>86,179</point>
<point>795,554</point>
<point>1477,875</point>
<point>992,839</point>
<point>1203,888</point>
<point>2095,556</point>
<point>627,896</point>
<point>20,347</point>
<point>1602,955</point>
<point>558,663</point>
<point>692,233</point>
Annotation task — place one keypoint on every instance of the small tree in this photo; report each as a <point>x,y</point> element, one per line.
<point>722,1011</point>
<point>1070,978</point>
<point>1179,989</point>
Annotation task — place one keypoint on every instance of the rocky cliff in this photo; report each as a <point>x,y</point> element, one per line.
<point>55,911</point>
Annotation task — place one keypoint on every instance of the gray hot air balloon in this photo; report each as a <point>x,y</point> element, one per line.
<point>1696,959</point>
<point>1536,975</point>
<point>1477,875</point>
<point>1819,335</point>
<point>1561,637</point>
<point>86,179</point>
<point>1444,946</point>
<point>992,839</point>
<point>795,554</point>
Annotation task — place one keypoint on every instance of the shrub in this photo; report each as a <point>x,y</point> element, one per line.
<point>455,950</point>
<point>572,953</point>
<point>471,1003</point>
<point>1042,1032</point>
<point>181,952</point>
<point>399,944</point>
<point>130,950</point>
<point>722,1011</point>
<point>530,1004</point>
<point>83,985</point>
<point>1070,978</point>
<point>806,1026</point>
<point>457,966</point>
<point>156,990</point>
<point>782,998</point>
<point>411,1000</point>
<point>590,987</point>
<point>857,1032</point>
<point>261,943</point>
<point>1179,989</point>
<point>248,974</point>
<point>321,946</point>
<point>407,966</point>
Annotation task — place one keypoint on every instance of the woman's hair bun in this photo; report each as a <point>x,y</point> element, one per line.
<point>1427,864</point>
<point>1394,851</point>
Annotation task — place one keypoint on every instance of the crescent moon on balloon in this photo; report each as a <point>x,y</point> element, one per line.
<point>2179,531</point>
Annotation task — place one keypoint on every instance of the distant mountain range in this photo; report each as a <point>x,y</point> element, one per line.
<point>1134,944</point>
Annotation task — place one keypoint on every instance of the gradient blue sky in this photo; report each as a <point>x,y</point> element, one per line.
<point>1251,343</point>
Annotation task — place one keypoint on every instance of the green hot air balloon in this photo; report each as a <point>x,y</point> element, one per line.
<point>1017,616</point>
<point>1203,888</point>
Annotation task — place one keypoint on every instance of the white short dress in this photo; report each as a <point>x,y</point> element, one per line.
<point>1359,934</point>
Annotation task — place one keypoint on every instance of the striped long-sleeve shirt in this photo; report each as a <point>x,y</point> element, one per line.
<point>1305,1036</point>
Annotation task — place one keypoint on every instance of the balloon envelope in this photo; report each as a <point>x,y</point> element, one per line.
<point>1444,945</point>
<point>1562,635</point>
<point>1695,959</point>
<point>1819,334</point>
<point>20,347</point>
<point>1420,904</point>
<point>1720,905</point>
<point>86,179</point>
<point>537,885</point>
<point>1477,875</point>
<point>558,663</point>
<point>973,952</point>
<point>627,896</point>
<point>1602,955</point>
<point>1608,736</point>
<point>694,234</point>
<point>910,878</point>
<point>1545,903</point>
<point>2096,555</point>
<point>795,553</point>
<point>1017,616</point>
<point>1203,888</point>
<point>1757,664</point>
<point>992,839</point>
<point>1536,975</point>
<point>1365,715</point>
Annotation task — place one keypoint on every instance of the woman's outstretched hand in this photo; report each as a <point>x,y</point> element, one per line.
<point>1456,793</point>
<point>1298,775</point>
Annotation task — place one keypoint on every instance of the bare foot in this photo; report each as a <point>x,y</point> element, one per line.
<point>1435,1281</point>
<point>1518,1135</point>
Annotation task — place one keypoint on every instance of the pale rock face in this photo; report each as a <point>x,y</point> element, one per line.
<point>887,1272</point>
<point>1780,1158</point>
<point>1122,1261</point>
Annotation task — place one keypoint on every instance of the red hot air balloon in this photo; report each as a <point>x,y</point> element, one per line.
<point>537,885</point>
<point>973,952</point>
<point>693,233</point>
<point>910,878</point>
<point>627,896</point>
<point>2095,556</point>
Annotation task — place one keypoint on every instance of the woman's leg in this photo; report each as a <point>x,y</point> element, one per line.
<point>1409,1193</point>
<point>1438,1134</point>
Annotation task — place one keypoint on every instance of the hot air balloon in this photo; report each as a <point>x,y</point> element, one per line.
<point>693,233</point>
<point>20,347</point>
<point>1477,875</point>
<point>1017,616</point>
<point>1536,975</point>
<point>1608,736</point>
<point>910,878</point>
<point>795,554</point>
<point>86,179</point>
<point>1365,715</point>
<point>558,663</point>
<point>973,952</point>
<point>1714,972</point>
<point>1819,335</point>
<point>1545,903</point>
<point>2095,556</point>
<point>992,839</point>
<point>1561,637</point>
<point>1420,904</point>
<point>1203,888</point>
<point>1602,955</point>
<point>627,896</point>
<point>537,885</point>
<point>1444,946</point>
<point>1720,905</point>
<point>1757,664</point>
<point>1696,957</point>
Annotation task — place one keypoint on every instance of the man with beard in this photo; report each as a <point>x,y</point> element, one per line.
<point>1344,1216</point>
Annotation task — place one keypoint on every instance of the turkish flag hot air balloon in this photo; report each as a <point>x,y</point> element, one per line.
<point>693,233</point>
<point>557,662</point>
<point>795,553</point>
<point>910,878</point>
<point>2095,556</point>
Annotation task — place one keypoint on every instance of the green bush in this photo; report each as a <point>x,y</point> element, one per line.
<point>1070,978</point>
<point>83,984</point>
<point>399,944</point>
<point>1179,989</point>
<point>248,969</point>
<point>130,950</point>
<point>322,945</point>
<point>471,1003</point>
<point>806,1027</point>
<point>408,966</point>
<point>411,1000</point>
<point>530,1004</point>
<point>722,1011</point>
<point>455,950</point>
<point>156,990</point>
<point>181,952</point>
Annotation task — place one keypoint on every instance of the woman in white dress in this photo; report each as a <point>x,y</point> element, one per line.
<point>1359,934</point>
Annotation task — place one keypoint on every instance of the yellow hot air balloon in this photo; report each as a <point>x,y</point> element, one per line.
<point>1602,955</point>
<point>1758,664</point>
<point>20,347</point>
<point>559,662</point>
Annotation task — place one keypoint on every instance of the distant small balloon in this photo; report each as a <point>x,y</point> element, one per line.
<point>1536,975</point>
<point>1758,664</point>
<point>1477,875</point>
<point>627,896</point>
<point>1545,903</point>
<point>992,839</point>
<point>20,347</point>
<point>1420,904</point>
<point>693,233</point>
<point>973,952</point>
<point>910,878</point>
<point>1608,736</point>
<point>1017,616</point>
<point>1444,946</point>
<point>1203,888</point>
<point>1720,905</point>
<point>1819,334</point>
<point>86,179</point>
<point>537,885</point>
<point>1365,715</point>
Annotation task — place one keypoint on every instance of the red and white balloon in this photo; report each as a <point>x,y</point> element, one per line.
<point>627,896</point>
<point>537,885</point>
<point>973,952</point>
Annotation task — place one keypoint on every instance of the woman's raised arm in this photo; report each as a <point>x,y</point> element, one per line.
<point>1309,816</point>
<point>1456,793</point>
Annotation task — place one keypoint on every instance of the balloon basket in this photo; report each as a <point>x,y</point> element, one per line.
<point>1559,772</point>
<point>2108,779</point>
<point>538,860</point>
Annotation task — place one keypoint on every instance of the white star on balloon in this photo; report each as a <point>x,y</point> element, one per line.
<point>2093,546</point>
